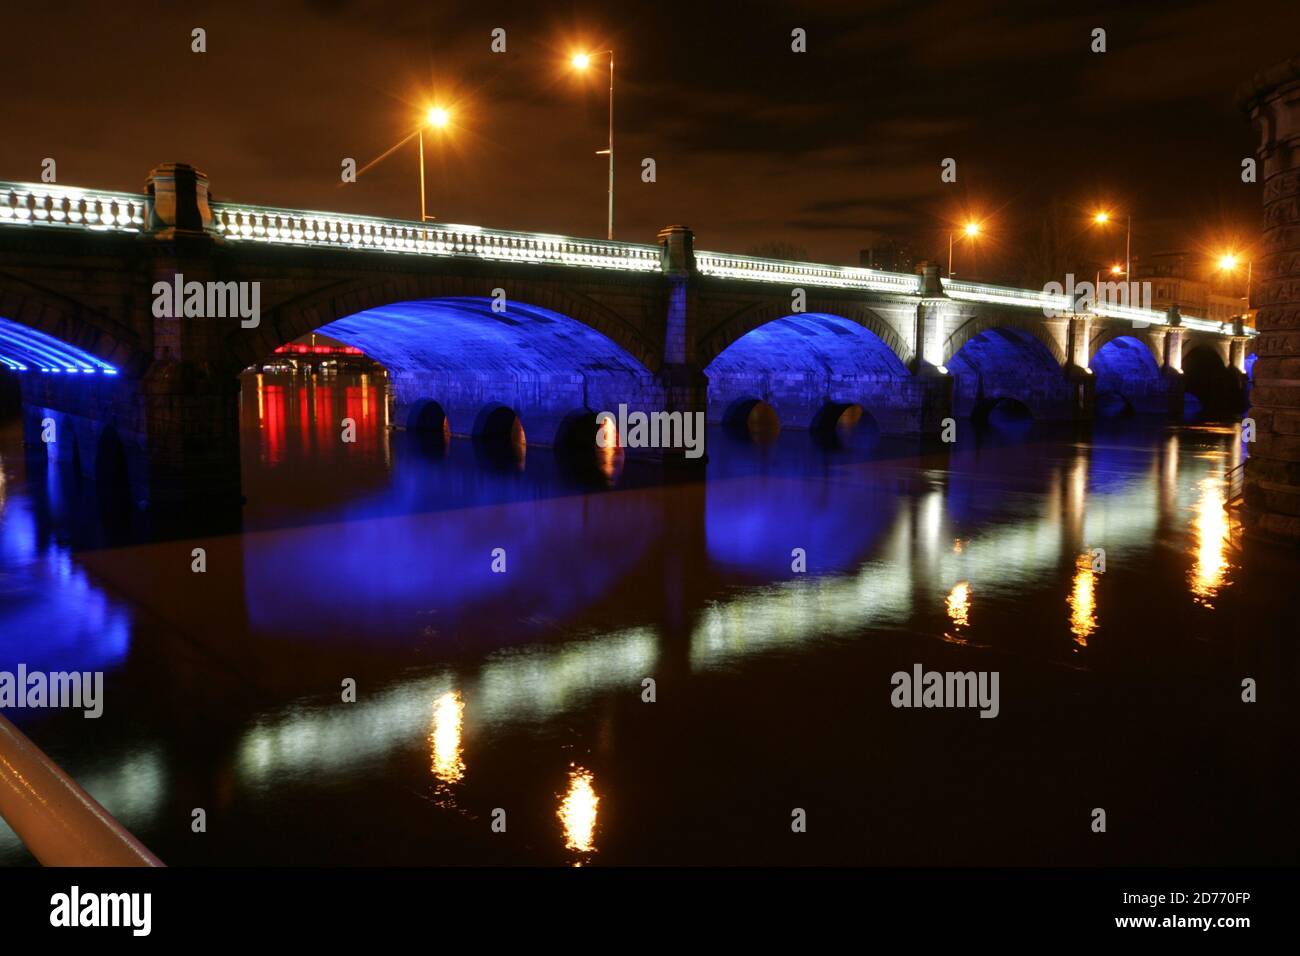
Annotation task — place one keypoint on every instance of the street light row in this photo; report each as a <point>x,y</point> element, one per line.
<point>1226,262</point>
<point>438,117</point>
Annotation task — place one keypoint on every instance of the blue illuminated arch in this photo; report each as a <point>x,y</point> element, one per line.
<point>798,364</point>
<point>455,334</point>
<point>24,349</point>
<point>1002,363</point>
<point>809,341</point>
<point>1126,373</point>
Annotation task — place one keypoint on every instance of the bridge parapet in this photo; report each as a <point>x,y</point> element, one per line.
<point>240,222</point>
<point>100,210</point>
<point>729,266</point>
<point>35,204</point>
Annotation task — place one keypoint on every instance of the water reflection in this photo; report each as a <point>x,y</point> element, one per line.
<point>382,552</point>
<point>445,738</point>
<point>1083,600</point>
<point>958,606</point>
<point>577,813</point>
<point>1210,540</point>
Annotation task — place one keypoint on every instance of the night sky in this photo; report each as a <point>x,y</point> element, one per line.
<point>827,151</point>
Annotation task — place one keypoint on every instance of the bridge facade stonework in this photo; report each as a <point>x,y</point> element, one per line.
<point>586,325</point>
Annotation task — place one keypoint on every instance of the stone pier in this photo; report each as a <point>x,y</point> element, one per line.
<point>1272,481</point>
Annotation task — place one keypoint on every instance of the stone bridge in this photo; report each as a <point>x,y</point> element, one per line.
<point>484,331</point>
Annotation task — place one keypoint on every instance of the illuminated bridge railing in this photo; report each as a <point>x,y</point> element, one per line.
<point>727,266</point>
<point>1061,304</point>
<point>35,204</point>
<point>241,222</point>
<point>1004,295</point>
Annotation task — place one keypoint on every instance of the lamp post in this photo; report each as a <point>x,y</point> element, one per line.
<point>971,230</point>
<point>437,118</point>
<point>1102,218</point>
<point>581,61</point>
<point>1228,262</point>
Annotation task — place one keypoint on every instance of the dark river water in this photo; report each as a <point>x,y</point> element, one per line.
<point>484,696</point>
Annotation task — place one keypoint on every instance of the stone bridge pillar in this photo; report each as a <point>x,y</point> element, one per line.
<point>1272,482</point>
<point>685,385</point>
<point>1083,384</point>
<point>189,393</point>
<point>931,388</point>
<point>1171,362</point>
<point>1237,350</point>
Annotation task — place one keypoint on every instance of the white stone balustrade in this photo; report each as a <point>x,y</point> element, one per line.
<point>34,204</point>
<point>297,227</point>
<point>727,266</point>
<point>53,205</point>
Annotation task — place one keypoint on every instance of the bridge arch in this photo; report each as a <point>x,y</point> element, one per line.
<point>1014,363</point>
<point>36,324</point>
<point>298,315</point>
<point>463,366</point>
<point>1127,377</point>
<point>982,323</point>
<point>799,364</point>
<point>727,332</point>
<point>1211,390</point>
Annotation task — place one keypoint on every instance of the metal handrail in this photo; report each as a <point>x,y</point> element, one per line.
<point>59,822</point>
<point>1235,478</point>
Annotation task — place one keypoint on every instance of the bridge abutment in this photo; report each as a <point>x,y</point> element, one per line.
<point>1272,480</point>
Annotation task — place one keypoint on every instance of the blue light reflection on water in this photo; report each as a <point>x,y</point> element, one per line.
<point>887,540</point>
<point>53,617</point>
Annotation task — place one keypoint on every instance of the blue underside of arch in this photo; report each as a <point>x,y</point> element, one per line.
<point>1000,351</point>
<point>23,349</point>
<point>1001,366</point>
<point>1122,363</point>
<point>810,341</point>
<point>455,334</point>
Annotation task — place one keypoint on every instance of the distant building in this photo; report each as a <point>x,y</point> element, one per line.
<point>1187,280</point>
<point>889,256</point>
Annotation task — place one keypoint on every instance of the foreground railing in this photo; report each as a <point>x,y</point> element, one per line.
<point>1235,479</point>
<point>57,821</point>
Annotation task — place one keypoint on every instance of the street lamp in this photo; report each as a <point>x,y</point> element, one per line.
<point>1102,218</point>
<point>582,61</point>
<point>1228,262</point>
<point>435,118</point>
<point>971,231</point>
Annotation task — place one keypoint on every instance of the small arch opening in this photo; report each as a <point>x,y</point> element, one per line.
<point>752,419</point>
<point>844,425</point>
<point>429,417</point>
<point>1003,414</point>
<point>499,438</point>
<point>1112,405</point>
